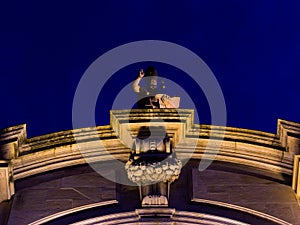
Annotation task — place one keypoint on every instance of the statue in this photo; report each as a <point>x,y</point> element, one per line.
<point>153,165</point>
<point>148,96</point>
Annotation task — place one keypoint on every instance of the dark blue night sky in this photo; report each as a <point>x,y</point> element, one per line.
<point>252,47</point>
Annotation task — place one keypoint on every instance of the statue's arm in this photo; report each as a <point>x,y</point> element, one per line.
<point>136,83</point>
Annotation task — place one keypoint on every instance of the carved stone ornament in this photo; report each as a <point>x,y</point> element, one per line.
<point>143,173</point>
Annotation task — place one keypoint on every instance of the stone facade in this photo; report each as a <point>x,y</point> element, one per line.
<point>53,179</point>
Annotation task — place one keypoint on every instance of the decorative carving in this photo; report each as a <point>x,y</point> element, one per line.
<point>153,166</point>
<point>155,200</point>
<point>145,172</point>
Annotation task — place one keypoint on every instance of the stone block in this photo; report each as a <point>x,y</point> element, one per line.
<point>57,205</point>
<point>241,190</point>
<point>6,181</point>
<point>8,151</point>
<point>108,194</point>
<point>85,180</point>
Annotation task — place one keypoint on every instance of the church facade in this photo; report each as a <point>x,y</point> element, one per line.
<point>151,166</point>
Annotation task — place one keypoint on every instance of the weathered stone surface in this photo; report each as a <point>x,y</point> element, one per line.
<point>246,191</point>
<point>60,194</point>
<point>254,148</point>
<point>7,188</point>
<point>39,156</point>
<point>11,139</point>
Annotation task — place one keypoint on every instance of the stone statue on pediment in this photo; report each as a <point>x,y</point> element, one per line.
<point>151,96</point>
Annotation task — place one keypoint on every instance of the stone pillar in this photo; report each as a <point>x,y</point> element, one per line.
<point>289,136</point>
<point>296,177</point>
<point>8,151</point>
<point>7,189</point>
<point>11,139</point>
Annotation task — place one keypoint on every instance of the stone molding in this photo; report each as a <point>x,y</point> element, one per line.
<point>273,152</point>
<point>243,209</point>
<point>73,210</point>
<point>289,135</point>
<point>11,139</point>
<point>166,216</point>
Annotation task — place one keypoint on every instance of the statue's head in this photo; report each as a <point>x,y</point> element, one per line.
<point>151,77</point>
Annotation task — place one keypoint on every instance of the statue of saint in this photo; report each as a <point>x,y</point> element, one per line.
<point>148,96</point>
<point>153,164</point>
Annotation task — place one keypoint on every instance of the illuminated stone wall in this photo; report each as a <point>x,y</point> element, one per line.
<point>254,173</point>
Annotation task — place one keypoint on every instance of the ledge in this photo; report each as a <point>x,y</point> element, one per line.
<point>273,152</point>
